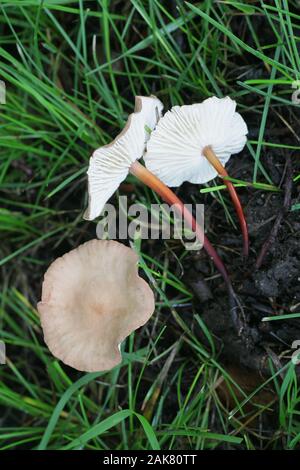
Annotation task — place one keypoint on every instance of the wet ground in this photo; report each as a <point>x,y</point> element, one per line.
<point>268,282</point>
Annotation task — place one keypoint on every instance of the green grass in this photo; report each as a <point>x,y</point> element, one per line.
<point>72,69</point>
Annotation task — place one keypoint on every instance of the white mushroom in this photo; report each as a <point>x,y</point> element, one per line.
<point>193,143</point>
<point>92,299</point>
<point>109,165</point>
<point>175,148</point>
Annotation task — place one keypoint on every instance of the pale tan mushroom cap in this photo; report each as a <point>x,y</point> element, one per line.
<point>92,299</point>
<point>109,165</point>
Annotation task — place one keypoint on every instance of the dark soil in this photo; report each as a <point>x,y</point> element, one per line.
<point>273,288</point>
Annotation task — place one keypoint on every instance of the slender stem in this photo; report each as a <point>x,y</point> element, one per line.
<point>215,162</point>
<point>143,174</point>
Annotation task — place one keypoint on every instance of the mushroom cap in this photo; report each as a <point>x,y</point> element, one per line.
<point>150,109</point>
<point>92,299</point>
<point>109,165</point>
<point>174,150</point>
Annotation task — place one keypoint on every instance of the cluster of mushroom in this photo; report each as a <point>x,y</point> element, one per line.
<point>106,300</point>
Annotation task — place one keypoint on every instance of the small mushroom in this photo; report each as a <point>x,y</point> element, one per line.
<point>92,299</point>
<point>194,142</point>
<point>109,165</point>
<point>176,146</point>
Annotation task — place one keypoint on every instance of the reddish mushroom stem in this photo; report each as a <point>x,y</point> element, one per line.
<point>148,178</point>
<point>215,162</point>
